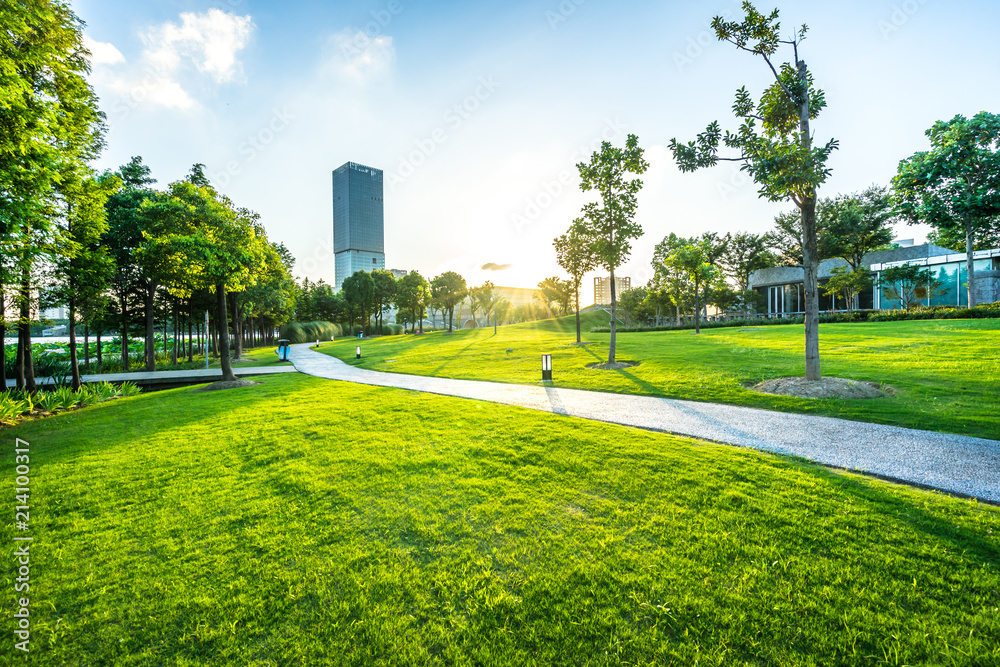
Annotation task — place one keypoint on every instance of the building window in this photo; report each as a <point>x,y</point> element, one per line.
<point>373,260</point>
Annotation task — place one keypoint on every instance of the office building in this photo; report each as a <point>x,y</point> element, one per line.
<point>602,289</point>
<point>781,287</point>
<point>358,220</point>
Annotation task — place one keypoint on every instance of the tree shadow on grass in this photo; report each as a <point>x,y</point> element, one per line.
<point>866,488</point>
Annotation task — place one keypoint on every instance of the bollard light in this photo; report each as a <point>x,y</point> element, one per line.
<point>546,367</point>
<point>317,343</point>
<point>357,352</point>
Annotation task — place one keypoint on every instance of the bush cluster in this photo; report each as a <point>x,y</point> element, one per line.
<point>16,403</point>
<point>931,313</point>
<point>308,332</point>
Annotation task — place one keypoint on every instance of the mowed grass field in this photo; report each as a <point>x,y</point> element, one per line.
<point>310,522</point>
<point>946,372</point>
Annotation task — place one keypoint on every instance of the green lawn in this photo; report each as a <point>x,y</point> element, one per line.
<point>946,372</point>
<point>310,522</point>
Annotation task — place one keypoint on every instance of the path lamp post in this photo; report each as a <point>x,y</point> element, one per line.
<point>546,368</point>
<point>357,352</point>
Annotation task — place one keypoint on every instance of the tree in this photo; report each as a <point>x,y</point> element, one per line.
<point>629,304</point>
<point>448,289</point>
<point>848,283</point>
<point>909,284</point>
<point>483,296</point>
<point>123,237</point>
<point>384,293</point>
<point>50,128</point>
<point>780,155</point>
<point>217,245</point>
<point>955,185</point>
<point>575,256</point>
<point>82,267</point>
<point>745,253</point>
<point>610,227</point>
<point>693,261</point>
<point>412,294</point>
<point>855,225</point>
<point>556,291</point>
<point>359,293</point>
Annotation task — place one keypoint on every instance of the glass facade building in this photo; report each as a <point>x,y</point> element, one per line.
<point>358,220</point>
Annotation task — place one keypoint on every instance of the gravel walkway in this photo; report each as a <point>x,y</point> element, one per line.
<point>964,465</point>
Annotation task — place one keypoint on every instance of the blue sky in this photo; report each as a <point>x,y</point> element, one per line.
<point>477,112</point>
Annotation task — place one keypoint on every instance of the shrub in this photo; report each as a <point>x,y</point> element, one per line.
<point>128,389</point>
<point>308,332</point>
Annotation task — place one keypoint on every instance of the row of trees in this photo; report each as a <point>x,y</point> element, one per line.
<point>954,187</point>
<point>120,255</point>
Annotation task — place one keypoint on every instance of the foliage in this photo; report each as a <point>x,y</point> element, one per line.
<point>955,186</point>
<point>413,294</point>
<point>855,225</point>
<point>848,284</point>
<point>610,227</point>
<point>575,256</point>
<point>448,290</point>
<point>309,332</point>
<point>779,154</point>
<point>910,284</point>
<point>554,291</point>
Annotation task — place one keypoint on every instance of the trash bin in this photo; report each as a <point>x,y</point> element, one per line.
<point>283,349</point>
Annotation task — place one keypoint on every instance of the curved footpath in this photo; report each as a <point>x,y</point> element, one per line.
<point>956,463</point>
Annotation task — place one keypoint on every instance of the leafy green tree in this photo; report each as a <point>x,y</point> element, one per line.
<point>412,294</point>
<point>359,293</point>
<point>82,267</point>
<point>693,261</point>
<point>50,128</point>
<point>448,289</point>
<point>124,235</point>
<point>910,285</point>
<point>775,144</point>
<point>384,293</point>
<point>575,256</point>
<point>955,185</point>
<point>630,305</point>
<point>483,296</point>
<point>745,253</point>
<point>848,283</point>
<point>558,292</point>
<point>855,225</point>
<point>611,227</point>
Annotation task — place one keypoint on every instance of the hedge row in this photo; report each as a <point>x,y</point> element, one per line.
<point>308,332</point>
<point>932,313</point>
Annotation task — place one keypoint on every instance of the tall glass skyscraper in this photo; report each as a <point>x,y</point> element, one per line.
<point>358,220</point>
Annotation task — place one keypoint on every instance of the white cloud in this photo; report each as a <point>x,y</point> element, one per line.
<point>211,41</point>
<point>102,53</point>
<point>208,43</point>
<point>358,55</point>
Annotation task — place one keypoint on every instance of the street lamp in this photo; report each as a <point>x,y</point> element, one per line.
<point>546,368</point>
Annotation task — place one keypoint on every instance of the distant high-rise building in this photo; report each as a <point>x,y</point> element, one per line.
<point>358,220</point>
<point>602,289</point>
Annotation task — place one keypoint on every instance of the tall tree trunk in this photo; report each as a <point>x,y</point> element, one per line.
<point>810,252</point>
<point>3,342</point>
<point>970,246</point>
<point>227,368</point>
<point>149,349</point>
<point>125,341</point>
<point>100,360</point>
<point>74,361</point>
<point>697,306</point>
<point>190,354</point>
<point>26,375</point>
<point>614,304</point>
<point>86,347</point>
<point>177,333</point>
<point>577,312</point>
